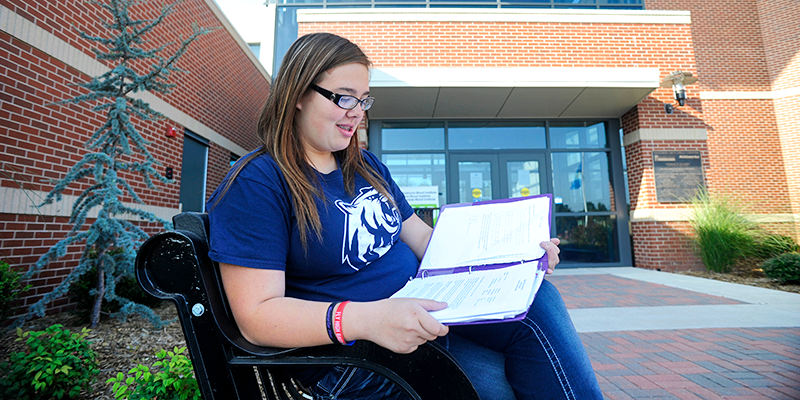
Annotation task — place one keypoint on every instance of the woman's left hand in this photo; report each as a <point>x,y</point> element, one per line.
<point>552,250</point>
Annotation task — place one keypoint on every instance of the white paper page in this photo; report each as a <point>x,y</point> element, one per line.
<point>489,234</point>
<point>480,295</point>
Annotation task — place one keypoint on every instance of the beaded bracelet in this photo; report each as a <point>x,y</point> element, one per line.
<point>337,325</point>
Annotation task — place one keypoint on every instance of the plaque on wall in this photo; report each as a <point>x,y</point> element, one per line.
<point>678,175</point>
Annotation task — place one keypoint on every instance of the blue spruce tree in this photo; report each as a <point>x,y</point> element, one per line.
<point>112,240</point>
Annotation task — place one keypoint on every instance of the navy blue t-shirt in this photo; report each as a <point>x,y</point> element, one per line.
<point>359,257</point>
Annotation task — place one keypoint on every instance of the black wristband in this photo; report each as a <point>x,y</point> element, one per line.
<point>329,323</point>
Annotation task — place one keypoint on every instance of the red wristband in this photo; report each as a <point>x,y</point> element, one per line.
<point>337,324</point>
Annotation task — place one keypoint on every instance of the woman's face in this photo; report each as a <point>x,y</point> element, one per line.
<point>323,126</point>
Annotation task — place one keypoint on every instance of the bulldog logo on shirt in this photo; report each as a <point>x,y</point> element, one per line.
<point>370,226</point>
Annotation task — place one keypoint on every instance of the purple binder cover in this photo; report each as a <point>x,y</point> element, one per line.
<point>543,261</point>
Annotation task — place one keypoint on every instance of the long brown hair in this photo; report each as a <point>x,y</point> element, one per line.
<point>304,62</point>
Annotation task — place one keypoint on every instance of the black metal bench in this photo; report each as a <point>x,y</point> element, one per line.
<point>174,265</point>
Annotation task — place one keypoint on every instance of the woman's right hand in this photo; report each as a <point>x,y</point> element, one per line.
<point>400,325</point>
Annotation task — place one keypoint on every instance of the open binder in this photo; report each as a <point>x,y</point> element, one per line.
<point>484,260</point>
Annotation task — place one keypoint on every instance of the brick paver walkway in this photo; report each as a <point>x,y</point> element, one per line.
<point>589,291</point>
<point>753,363</point>
<point>729,363</point>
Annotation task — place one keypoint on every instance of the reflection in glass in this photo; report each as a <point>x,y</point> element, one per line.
<point>523,178</point>
<point>589,239</point>
<point>575,2</point>
<point>574,135</point>
<point>460,3</point>
<point>474,181</point>
<point>255,48</point>
<point>493,135</point>
<point>412,136</point>
<point>418,170</point>
<point>581,182</point>
<point>285,32</point>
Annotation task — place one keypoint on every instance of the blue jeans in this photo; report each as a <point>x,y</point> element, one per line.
<point>540,357</point>
<point>351,383</point>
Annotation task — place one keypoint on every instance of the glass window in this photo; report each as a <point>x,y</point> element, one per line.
<point>255,48</point>
<point>474,181</point>
<point>399,3</point>
<point>621,4</point>
<point>576,3</point>
<point>575,135</point>
<point>300,2</point>
<point>587,239</point>
<point>523,178</point>
<point>463,3</point>
<point>495,135</point>
<point>418,170</point>
<point>581,182</point>
<point>412,136</point>
<point>531,2</point>
<point>345,4</point>
<point>624,169</point>
<point>286,32</point>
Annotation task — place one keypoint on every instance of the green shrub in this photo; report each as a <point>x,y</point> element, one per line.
<point>173,380</point>
<point>771,245</point>
<point>10,289</point>
<point>784,268</point>
<point>56,364</point>
<point>722,234</point>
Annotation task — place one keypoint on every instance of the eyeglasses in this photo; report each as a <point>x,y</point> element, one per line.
<point>345,101</point>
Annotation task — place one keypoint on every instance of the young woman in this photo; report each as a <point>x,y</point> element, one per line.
<point>308,227</point>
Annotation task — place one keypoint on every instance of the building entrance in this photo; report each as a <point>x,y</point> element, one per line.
<point>479,177</point>
<point>578,162</point>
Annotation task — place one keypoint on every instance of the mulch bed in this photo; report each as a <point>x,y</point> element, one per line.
<point>119,346</point>
<point>746,273</point>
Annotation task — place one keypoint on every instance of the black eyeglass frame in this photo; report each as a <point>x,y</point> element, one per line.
<point>366,102</point>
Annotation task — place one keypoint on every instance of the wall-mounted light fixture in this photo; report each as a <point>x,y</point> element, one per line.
<point>678,81</point>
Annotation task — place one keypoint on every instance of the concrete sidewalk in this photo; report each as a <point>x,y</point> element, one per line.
<point>658,335</point>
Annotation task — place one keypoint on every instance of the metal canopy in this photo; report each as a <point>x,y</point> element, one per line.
<point>513,93</point>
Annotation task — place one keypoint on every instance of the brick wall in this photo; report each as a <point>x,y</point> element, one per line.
<point>641,182</point>
<point>664,246</point>
<point>223,91</point>
<point>516,44</point>
<point>780,34</point>
<point>745,156</point>
<point>218,166</point>
<point>25,238</point>
<point>748,45</point>
<point>213,58</point>
<point>727,42</point>
<point>787,115</point>
<point>781,37</point>
<point>521,44</point>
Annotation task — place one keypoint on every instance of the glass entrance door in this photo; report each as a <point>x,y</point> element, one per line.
<point>522,174</point>
<point>474,177</point>
<point>480,177</point>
